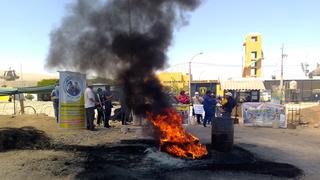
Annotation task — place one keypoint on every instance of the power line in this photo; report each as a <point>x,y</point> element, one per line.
<point>285,66</point>
<point>239,65</point>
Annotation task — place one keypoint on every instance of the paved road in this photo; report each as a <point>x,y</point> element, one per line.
<point>299,147</point>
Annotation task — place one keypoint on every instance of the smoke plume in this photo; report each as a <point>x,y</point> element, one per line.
<point>125,39</point>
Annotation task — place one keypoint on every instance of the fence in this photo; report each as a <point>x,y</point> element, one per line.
<point>31,107</point>
<point>308,90</point>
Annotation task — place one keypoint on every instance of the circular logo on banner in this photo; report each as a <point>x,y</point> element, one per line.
<point>202,90</point>
<point>72,87</point>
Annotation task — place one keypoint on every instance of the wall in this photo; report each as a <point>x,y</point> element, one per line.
<point>202,87</point>
<point>305,88</point>
<point>176,81</point>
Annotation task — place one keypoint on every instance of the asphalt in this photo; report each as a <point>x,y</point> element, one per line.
<point>299,147</point>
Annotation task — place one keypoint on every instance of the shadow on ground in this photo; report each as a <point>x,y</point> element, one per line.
<point>23,138</point>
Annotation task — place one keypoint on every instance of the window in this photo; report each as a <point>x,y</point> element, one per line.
<point>254,95</point>
<point>254,38</point>
<point>253,64</point>
<point>253,72</point>
<point>254,55</point>
<point>244,96</point>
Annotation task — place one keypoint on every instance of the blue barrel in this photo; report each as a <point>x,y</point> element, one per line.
<point>222,134</point>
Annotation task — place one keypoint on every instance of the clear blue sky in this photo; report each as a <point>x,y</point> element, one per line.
<point>217,28</point>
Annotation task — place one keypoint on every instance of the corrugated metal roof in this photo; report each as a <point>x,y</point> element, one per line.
<point>35,89</point>
<point>242,85</point>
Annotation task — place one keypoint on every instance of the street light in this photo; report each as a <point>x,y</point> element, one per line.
<point>190,77</point>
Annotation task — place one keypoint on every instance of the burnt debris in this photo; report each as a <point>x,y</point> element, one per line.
<point>23,138</point>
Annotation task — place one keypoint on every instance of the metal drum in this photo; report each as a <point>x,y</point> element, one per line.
<point>222,134</point>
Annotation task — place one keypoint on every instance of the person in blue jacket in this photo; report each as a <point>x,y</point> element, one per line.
<point>228,106</point>
<point>209,106</point>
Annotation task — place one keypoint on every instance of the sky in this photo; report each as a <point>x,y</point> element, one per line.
<point>217,28</point>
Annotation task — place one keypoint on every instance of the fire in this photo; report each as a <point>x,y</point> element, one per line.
<point>174,139</point>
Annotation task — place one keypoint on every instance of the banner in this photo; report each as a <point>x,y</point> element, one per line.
<point>264,114</point>
<point>71,100</point>
<point>184,111</point>
<point>198,109</point>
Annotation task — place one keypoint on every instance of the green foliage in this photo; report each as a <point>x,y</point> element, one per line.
<point>47,82</point>
<point>101,80</point>
<point>29,96</point>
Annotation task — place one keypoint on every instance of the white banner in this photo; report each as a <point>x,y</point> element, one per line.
<point>71,100</point>
<point>264,114</point>
<point>198,108</point>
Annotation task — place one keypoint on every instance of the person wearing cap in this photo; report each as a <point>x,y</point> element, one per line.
<point>89,104</point>
<point>55,100</point>
<point>197,100</point>
<point>228,104</point>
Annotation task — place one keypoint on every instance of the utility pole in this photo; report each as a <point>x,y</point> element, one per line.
<point>281,77</point>
<point>242,68</point>
<point>190,78</point>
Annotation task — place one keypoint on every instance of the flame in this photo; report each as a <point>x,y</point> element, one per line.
<point>174,139</point>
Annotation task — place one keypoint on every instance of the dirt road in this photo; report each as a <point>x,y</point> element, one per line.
<point>73,154</point>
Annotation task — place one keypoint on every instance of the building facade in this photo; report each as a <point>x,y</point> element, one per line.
<point>253,56</point>
<point>175,81</point>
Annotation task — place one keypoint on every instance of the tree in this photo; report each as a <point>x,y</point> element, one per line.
<point>47,82</point>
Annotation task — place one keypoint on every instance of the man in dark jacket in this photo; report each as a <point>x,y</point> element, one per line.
<point>228,105</point>
<point>108,108</point>
<point>209,106</point>
<point>105,106</point>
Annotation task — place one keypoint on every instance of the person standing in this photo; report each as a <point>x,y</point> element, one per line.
<point>183,98</point>
<point>228,104</point>
<point>55,100</point>
<point>89,106</point>
<point>107,107</point>
<point>124,110</point>
<point>100,107</point>
<point>209,106</point>
<point>197,100</point>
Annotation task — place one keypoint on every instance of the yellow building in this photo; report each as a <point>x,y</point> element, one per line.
<point>253,55</point>
<point>176,81</point>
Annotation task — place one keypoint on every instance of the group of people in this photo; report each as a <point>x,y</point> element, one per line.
<point>210,103</point>
<point>101,100</point>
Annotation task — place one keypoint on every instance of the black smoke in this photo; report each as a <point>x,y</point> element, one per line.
<point>123,39</point>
